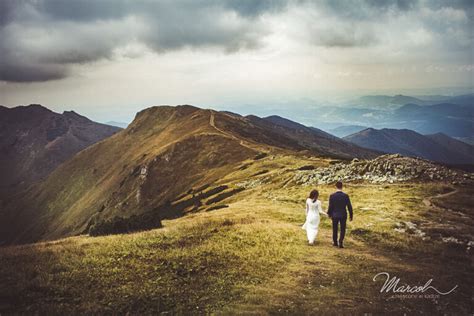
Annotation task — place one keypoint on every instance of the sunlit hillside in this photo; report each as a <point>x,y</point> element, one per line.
<point>247,254</point>
<point>167,161</point>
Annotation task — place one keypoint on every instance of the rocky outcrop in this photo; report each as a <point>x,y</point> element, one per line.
<point>383,169</point>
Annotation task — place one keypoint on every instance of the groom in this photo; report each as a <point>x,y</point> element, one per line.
<point>338,203</point>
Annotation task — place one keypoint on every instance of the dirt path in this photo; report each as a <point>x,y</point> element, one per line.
<point>241,142</point>
<point>428,201</point>
<point>321,278</point>
<point>310,282</point>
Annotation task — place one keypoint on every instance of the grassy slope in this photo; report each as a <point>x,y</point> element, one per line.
<point>250,257</point>
<point>165,152</point>
<point>94,183</point>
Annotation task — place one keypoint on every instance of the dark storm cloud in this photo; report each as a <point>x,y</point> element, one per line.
<point>5,11</point>
<point>402,5</point>
<point>365,9</point>
<point>26,72</point>
<point>40,39</point>
<point>254,8</point>
<point>89,10</point>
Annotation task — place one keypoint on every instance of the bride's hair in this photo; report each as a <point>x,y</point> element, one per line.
<point>313,195</point>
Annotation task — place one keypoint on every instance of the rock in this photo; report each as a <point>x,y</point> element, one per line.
<point>451,240</point>
<point>383,169</point>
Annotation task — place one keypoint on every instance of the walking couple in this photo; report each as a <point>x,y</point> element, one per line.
<point>339,204</point>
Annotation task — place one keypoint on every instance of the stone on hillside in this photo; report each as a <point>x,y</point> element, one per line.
<point>383,169</point>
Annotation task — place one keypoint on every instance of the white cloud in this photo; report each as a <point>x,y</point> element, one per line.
<point>420,37</point>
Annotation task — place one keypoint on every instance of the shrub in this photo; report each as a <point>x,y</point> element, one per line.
<point>260,156</point>
<point>308,167</point>
<point>120,225</point>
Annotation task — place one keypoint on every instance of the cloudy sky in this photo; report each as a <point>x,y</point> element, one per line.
<point>108,59</point>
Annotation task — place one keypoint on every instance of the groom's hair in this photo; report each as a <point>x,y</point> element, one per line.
<point>339,185</point>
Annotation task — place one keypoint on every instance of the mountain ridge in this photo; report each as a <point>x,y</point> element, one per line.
<point>130,173</point>
<point>35,140</point>
<point>438,147</point>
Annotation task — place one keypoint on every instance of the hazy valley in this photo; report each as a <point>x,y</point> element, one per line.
<point>452,116</point>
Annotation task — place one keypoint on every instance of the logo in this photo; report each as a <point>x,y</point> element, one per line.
<point>391,285</point>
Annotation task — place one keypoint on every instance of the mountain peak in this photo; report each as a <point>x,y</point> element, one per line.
<point>147,118</point>
<point>368,130</point>
<point>35,105</point>
<point>25,112</point>
<point>275,117</point>
<point>439,134</point>
<point>167,110</point>
<point>32,107</point>
<point>37,140</point>
<point>74,116</point>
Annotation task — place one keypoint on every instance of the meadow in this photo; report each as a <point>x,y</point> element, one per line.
<point>249,255</point>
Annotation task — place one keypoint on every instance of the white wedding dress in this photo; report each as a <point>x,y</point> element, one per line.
<point>313,209</point>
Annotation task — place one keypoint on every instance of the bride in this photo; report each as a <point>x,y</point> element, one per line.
<point>313,209</point>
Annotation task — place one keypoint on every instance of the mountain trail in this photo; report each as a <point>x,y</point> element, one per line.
<point>428,201</point>
<point>213,124</point>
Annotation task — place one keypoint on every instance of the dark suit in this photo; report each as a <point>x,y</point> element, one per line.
<point>339,204</point>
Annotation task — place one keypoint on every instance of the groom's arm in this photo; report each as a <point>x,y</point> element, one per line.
<point>331,206</point>
<point>349,207</point>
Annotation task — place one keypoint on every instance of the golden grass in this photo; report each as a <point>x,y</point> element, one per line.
<point>249,258</point>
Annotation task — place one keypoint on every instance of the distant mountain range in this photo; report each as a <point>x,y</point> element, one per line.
<point>392,102</point>
<point>437,147</point>
<point>318,141</point>
<point>453,117</point>
<point>164,154</point>
<point>388,101</point>
<point>468,140</point>
<point>35,140</point>
<point>346,130</point>
<point>117,124</point>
